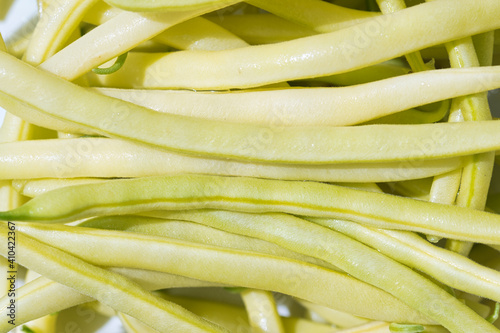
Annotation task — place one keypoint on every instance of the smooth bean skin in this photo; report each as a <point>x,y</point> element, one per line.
<point>63,297</point>
<point>109,158</point>
<point>386,37</point>
<point>102,115</point>
<point>262,311</point>
<point>115,37</point>
<point>56,25</point>
<point>233,317</point>
<point>179,192</point>
<point>362,262</point>
<point>318,15</point>
<point>110,288</point>
<point>339,106</point>
<point>227,266</point>
<point>195,34</point>
<point>196,233</point>
<point>162,5</point>
<point>449,267</point>
<point>262,29</point>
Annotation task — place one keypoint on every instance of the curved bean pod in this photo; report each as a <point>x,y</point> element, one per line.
<point>233,317</point>
<point>319,15</point>
<point>448,267</point>
<point>110,158</point>
<point>311,144</point>
<point>362,262</point>
<point>58,21</point>
<point>258,195</point>
<point>62,297</point>
<point>195,34</point>
<point>477,173</point>
<point>262,28</point>
<point>262,311</point>
<point>312,106</point>
<point>226,266</point>
<point>109,288</point>
<point>196,233</point>
<point>163,5</point>
<point>117,36</point>
<point>373,41</point>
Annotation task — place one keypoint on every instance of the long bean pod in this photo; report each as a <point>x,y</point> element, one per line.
<point>455,270</point>
<point>100,157</point>
<point>57,22</point>
<point>227,266</point>
<point>195,34</point>
<point>364,263</point>
<point>128,29</point>
<point>130,196</point>
<point>63,297</point>
<point>164,5</point>
<point>262,28</point>
<point>477,173</point>
<point>196,233</point>
<point>373,41</point>
<point>105,286</point>
<point>262,311</point>
<point>314,106</point>
<point>311,144</point>
<point>270,232</point>
<point>321,16</point>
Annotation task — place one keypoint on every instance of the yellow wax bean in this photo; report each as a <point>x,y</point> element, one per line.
<point>28,296</point>
<point>2,44</point>
<point>195,34</point>
<point>312,106</point>
<point>363,262</point>
<point>196,233</point>
<point>57,22</point>
<point>133,325</point>
<point>46,324</point>
<point>235,317</point>
<point>318,15</point>
<point>376,72</point>
<point>109,288</point>
<point>39,186</point>
<point>227,266</point>
<point>99,157</point>
<point>164,5</point>
<point>262,28</point>
<point>373,41</point>
<point>14,129</point>
<point>115,37</point>
<point>455,270</point>
<point>477,173</point>
<point>258,195</point>
<point>200,34</point>
<point>306,144</point>
<point>262,311</point>
<point>334,317</point>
